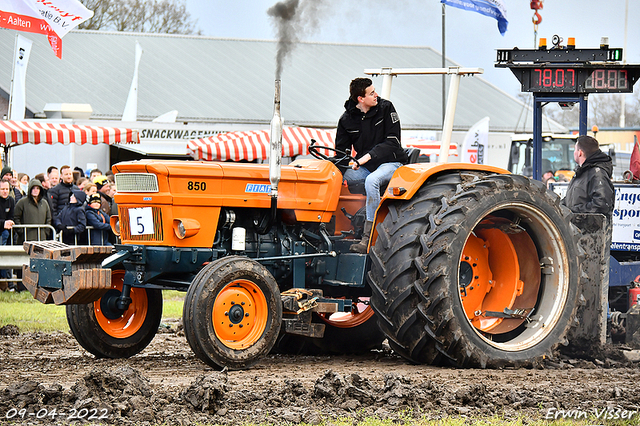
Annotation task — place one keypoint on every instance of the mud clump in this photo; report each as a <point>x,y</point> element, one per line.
<point>9,330</point>
<point>206,393</point>
<point>107,384</point>
<point>349,393</point>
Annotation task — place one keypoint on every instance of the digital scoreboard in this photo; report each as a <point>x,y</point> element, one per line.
<point>566,71</point>
<point>585,79</point>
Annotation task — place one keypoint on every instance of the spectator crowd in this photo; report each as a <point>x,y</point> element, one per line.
<point>76,205</point>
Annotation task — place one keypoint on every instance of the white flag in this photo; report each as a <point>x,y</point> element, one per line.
<point>18,97</point>
<point>62,15</point>
<point>476,141</point>
<point>130,112</point>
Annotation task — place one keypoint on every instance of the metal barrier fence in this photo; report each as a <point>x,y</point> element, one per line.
<point>12,234</point>
<point>87,231</point>
<point>13,256</point>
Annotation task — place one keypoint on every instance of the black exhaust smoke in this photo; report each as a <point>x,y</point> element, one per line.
<point>293,20</point>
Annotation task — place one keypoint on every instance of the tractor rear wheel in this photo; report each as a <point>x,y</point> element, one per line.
<point>232,313</point>
<point>476,270</point>
<point>108,332</point>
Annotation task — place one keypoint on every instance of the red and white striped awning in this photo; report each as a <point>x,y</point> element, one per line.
<point>254,145</point>
<point>36,132</point>
<point>429,147</point>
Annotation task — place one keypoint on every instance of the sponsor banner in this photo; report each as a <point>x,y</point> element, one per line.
<point>474,147</point>
<point>31,24</point>
<point>626,215</point>
<point>54,18</point>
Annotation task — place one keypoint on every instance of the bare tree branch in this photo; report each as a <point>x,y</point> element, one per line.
<point>146,16</point>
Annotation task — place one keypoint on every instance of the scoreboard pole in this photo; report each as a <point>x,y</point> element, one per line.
<point>538,100</point>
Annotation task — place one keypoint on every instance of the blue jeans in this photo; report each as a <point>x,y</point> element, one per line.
<point>373,182</point>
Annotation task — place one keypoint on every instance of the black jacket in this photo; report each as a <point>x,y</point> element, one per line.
<point>377,132</point>
<point>591,189</point>
<point>15,193</point>
<point>59,196</point>
<point>72,215</point>
<point>7,207</point>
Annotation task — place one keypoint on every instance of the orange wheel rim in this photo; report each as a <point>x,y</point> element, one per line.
<point>360,314</point>
<point>489,277</point>
<point>240,314</point>
<point>131,320</point>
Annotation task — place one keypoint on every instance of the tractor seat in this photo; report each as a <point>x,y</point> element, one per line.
<point>412,154</point>
<point>358,187</point>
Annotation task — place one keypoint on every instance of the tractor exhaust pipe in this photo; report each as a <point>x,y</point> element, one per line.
<point>275,154</point>
<point>275,159</point>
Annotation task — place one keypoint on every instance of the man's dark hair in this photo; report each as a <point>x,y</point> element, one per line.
<point>358,87</point>
<point>40,177</point>
<point>95,171</point>
<point>588,145</point>
<point>51,168</point>
<point>5,181</point>
<point>64,168</point>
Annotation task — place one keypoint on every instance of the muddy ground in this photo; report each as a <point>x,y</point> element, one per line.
<point>51,376</point>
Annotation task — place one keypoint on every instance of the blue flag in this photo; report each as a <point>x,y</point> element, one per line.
<point>492,8</point>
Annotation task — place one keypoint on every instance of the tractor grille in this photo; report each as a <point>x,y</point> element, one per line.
<point>136,182</point>
<point>125,226</point>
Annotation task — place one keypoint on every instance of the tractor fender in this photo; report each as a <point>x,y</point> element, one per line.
<point>410,178</point>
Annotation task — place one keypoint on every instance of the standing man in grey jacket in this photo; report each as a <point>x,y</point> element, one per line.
<point>591,189</point>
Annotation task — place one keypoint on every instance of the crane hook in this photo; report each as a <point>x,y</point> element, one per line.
<point>536,18</point>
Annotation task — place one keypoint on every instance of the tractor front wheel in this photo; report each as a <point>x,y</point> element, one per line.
<point>108,332</point>
<point>232,313</point>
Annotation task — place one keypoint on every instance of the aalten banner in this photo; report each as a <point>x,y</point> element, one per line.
<point>55,18</point>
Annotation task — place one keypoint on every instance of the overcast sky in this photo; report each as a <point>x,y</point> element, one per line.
<point>471,38</point>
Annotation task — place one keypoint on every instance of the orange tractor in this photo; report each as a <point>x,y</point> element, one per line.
<point>467,264</point>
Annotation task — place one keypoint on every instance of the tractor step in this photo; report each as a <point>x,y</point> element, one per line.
<point>65,275</point>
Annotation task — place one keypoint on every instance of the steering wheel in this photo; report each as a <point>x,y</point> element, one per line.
<point>314,150</point>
